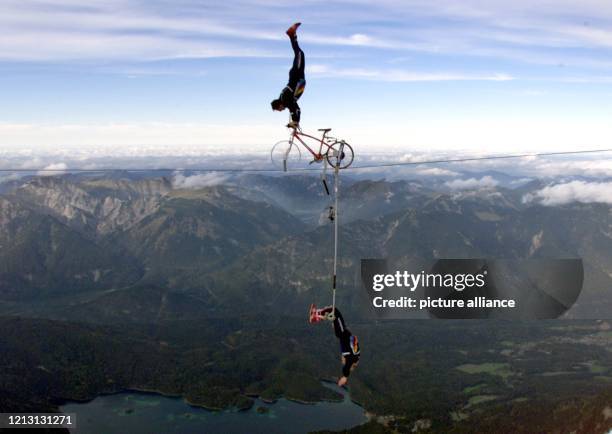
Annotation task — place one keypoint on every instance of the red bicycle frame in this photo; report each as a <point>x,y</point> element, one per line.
<point>317,155</point>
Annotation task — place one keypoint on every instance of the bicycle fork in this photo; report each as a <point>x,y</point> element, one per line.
<point>287,154</point>
<point>339,155</point>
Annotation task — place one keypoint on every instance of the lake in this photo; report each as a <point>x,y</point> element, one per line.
<point>136,412</point>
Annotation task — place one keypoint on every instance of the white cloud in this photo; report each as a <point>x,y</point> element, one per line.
<point>137,137</point>
<point>472,183</point>
<point>199,181</point>
<point>53,169</point>
<point>318,70</point>
<point>60,46</point>
<point>164,29</point>
<point>483,134</point>
<point>426,138</point>
<point>521,181</point>
<point>118,30</point>
<point>9,177</point>
<point>359,38</point>
<point>436,171</point>
<point>599,166</point>
<point>574,191</point>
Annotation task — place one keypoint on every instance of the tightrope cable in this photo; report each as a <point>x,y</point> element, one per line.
<point>308,169</point>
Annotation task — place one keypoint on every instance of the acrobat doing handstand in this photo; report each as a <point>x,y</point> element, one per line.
<point>349,345</point>
<point>297,82</point>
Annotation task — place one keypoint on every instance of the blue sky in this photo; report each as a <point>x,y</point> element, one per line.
<point>486,76</point>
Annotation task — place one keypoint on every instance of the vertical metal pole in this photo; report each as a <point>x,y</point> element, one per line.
<point>336,217</point>
<point>324,177</point>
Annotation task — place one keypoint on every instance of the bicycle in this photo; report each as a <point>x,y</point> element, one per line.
<point>334,151</point>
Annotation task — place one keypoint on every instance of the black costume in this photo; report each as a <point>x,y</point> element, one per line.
<point>295,87</point>
<point>349,345</point>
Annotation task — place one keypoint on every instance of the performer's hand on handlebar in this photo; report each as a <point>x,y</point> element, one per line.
<point>293,125</point>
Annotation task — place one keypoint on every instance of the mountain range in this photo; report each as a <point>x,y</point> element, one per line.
<point>259,242</point>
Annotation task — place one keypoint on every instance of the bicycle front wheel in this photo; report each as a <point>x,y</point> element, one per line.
<point>340,153</point>
<point>285,154</point>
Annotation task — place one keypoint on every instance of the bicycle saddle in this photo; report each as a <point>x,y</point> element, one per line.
<point>325,130</point>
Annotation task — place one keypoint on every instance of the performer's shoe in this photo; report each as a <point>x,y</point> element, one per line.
<point>291,31</point>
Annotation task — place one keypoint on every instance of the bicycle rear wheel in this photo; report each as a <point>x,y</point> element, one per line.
<point>342,150</point>
<point>285,154</point>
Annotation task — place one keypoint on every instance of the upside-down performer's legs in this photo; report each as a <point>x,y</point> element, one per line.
<point>297,80</point>
<point>349,345</point>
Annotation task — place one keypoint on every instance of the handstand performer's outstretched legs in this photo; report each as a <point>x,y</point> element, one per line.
<point>296,73</point>
<point>297,82</point>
